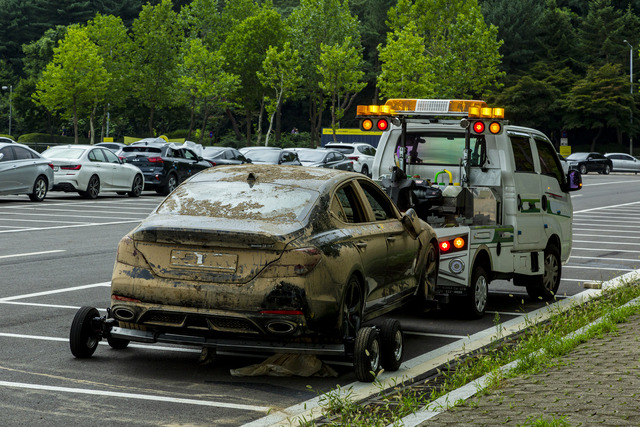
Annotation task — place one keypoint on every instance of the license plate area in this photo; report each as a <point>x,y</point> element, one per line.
<point>204,259</point>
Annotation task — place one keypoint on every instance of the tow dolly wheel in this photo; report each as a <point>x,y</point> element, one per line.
<point>392,342</point>
<point>366,355</point>
<point>83,339</point>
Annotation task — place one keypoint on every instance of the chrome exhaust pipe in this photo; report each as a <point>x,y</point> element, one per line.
<point>281,327</point>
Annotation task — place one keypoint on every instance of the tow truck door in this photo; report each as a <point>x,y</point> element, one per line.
<point>528,227</point>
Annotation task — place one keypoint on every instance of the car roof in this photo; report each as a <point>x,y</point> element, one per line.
<point>311,178</point>
<point>7,140</point>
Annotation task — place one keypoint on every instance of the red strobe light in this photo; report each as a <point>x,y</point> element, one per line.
<point>383,124</point>
<point>445,246</point>
<point>478,127</point>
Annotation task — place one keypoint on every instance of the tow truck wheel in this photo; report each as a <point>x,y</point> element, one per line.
<point>366,355</point>
<point>547,287</point>
<point>478,292</point>
<point>392,342</point>
<point>83,340</point>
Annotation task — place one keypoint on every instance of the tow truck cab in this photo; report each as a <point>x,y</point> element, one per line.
<point>495,193</point>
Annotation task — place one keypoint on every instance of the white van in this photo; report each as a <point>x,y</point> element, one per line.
<point>496,194</point>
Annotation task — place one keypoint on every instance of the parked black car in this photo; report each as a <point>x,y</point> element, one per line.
<point>267,155</point>
<point>224,156</point>
<point>331,159</point>
<point>589,162</point>
<point>164,165</point>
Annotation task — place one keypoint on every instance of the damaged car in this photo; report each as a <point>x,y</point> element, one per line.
<point>283,259</point>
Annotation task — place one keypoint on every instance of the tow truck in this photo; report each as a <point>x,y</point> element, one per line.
<point>496,194</point>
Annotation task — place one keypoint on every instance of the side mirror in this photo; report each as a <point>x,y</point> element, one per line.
<point>247,160</point>
<point>574,181</point>
<point>411,223</point>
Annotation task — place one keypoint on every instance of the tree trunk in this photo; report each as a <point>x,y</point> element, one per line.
<point>75,122</point>
<point>234,125</point>
<point>247,114</point>
<point>92,128</point>
<point>103,124</point>
<point>205,119</point>
<point>151,111</point>
<point>259,130</point>
<point>192,118</point>
<point>595,138</point>
<point>279,123</point>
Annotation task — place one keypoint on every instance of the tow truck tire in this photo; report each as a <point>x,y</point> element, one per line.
<point>83,340</point>
<point>118,343</point>
<point>546,287</point>
<point>478,292</point>
<point>366,355</point>
<point>392,342</point>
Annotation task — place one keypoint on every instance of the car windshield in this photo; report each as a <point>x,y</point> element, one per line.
<point>270,156</point>
<point>577,156</point>
<point>343,150</point>
<point>63,153</point>
<point>311,155</point>
<point>240,200</point>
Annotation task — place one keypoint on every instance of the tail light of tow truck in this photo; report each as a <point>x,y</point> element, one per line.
<point>453,244</point>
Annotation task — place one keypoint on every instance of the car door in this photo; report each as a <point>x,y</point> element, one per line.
<point>101,168</point>
<point>122,175</point>
<point>27,169</point>
<point>368,238</point>
<point>528,214</point>
<point>8,171</point>
<point>194,164</point>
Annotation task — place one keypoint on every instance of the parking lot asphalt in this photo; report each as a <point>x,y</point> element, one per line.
<point>595,384</point>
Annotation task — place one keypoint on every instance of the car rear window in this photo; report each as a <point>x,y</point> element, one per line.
<point>142,150</point>
<point>240,200</point>
<point>343,150</point>
<point>63,153</point>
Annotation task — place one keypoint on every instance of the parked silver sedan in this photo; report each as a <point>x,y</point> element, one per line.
<point>623,162</point>
<point>88,170</point>
<point>331,159</point>
<point>24,171</point>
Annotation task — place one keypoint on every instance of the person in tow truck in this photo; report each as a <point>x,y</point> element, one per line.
<point>495,193</point>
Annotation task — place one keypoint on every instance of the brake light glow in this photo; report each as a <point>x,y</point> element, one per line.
<point>383,124</point>
<point>478,127</point>
<point>71,167</point>
<point>445,246</point>
<point>50,165</point>
<point>121,298</point>
<point>155,160</point>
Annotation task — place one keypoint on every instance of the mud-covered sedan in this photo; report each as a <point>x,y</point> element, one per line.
<point>263,257</point>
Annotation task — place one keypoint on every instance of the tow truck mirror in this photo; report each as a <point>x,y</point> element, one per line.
<point>574,180</point>
<point>411,223</point>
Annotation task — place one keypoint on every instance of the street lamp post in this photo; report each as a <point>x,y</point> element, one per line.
<point>631,89</point>
<point>10,87</point>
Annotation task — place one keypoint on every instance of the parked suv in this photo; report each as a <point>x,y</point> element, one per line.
<point>361,153</point>
<point>164,165</point>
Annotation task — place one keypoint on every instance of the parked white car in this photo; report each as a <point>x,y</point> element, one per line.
<point>623,162</point>
<point>361,153</point>
<point>88,170</point>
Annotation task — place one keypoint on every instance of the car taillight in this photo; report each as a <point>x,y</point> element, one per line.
<point>297,262</point>
<point>211,163</point>
<point>355,158</point>
<point>155,160</point>
<point>128,254</point>
<point>121,298</point>
<point>71,167</point>
<point>50,165</point>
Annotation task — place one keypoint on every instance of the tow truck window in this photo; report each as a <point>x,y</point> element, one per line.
<point>549,164</point>
<point>439,148</point>
<point>522,153</point>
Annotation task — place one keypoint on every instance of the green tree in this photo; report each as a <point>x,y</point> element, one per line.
<point>341,70</point>
<point>110,35</point>
<point>461,50</point>
<point>600,100</point>
<point>245,49</point>
<point>156,41</point>
<point>209,87</point>
<point>76,80</point>
<point>601,34</point>
<point>280,73</point>
<point>405,66</point>
<point>314,23</point>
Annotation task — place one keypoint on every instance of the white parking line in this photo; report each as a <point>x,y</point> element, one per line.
<point>606,243</point>
<point>31,254</point>
<point>35,304</point>
<point>605,207</point>
<point>107,393</point>
<point>605,250</point>
<point>608,221</point>
<point>55,291</point>
<point>86,224</point>
<point>608,236</point>
<point>426,334</point>
<point>627,232</point>
<point>584,267</point>
<point>606,258</point>
<point>49,215</point>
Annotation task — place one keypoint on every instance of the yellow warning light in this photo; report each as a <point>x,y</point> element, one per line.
<point>458,242</point>
<point>498,113</point>
<point>486,112</point>
<point>474,112</point>
<point>402,104</point>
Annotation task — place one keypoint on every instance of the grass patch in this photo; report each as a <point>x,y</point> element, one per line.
<point>537,348</point>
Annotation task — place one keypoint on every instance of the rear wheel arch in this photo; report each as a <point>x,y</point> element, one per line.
<point>483,259</point>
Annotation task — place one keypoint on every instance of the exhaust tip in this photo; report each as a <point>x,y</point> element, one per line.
<point>281,327</point>
<point>124,314</point>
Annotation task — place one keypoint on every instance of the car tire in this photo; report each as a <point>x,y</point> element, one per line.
<point>40,188</point>
<point>546,286</point>
<point>392,342</point>
<point>136,187</point>
<point>172,183</point>
<point>476,300</point>
<point>83,340</point>
<point>93,188</point>
<point>365,170</point>
<point>583,169</point>
<point>607,169</point>
<point>352,307</point>
<point>366,355</point>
